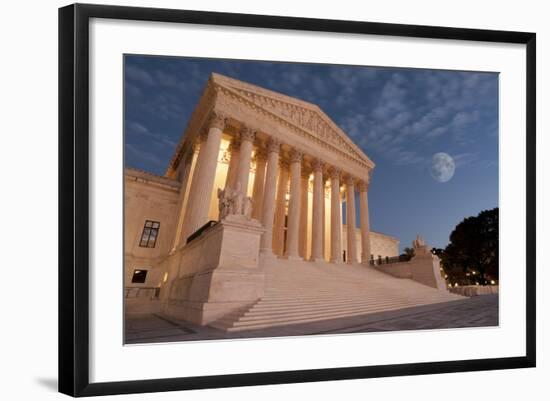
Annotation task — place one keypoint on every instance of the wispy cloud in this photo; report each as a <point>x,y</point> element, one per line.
<point>136,130</point>
<point>413,114</point>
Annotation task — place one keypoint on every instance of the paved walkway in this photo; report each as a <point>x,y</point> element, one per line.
<point>478,311</point>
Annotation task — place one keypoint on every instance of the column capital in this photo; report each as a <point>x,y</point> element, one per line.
<point>273,145</point>
<point>203,136</point>
<point>334,173</point>
<point>305,172</point>
<point>260,154</point>
<point>234,144</point>
<point>247,134</point>
<point>296,156</point>
<point>284,164</point>
<point>217,120</point>
<point>363,186</point>
<point>349,180</point>
<point>317,165</point>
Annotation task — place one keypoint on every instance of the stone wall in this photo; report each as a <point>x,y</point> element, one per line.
<point>474,290</point>
<point>423,268</point>
<point>147,197</point>
<point>216,274</point>
<point>380,244</point>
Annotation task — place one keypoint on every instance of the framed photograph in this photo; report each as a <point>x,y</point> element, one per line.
<point>251,199</point>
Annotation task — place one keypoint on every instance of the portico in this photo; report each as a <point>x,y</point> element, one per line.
<point>278,148</point>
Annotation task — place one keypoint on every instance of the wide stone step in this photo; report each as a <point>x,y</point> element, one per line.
<point>319,301</point>
<point>300,293</point>
<point>276,297</point>
<point>336,312</point>
<point>293,303</point>
<point>307,310</point>
<point>253,325</point>
<point>328,295</point>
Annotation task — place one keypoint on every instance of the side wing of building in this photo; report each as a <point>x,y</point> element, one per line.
<point>150,210</point>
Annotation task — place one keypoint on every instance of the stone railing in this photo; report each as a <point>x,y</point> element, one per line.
<point>474,290</point>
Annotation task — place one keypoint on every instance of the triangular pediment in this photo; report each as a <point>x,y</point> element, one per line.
<point>303,115</point>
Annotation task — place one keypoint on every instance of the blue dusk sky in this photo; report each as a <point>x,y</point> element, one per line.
<point>400,118</point>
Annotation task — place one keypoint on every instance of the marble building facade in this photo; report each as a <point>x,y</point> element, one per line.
<point>287,167</point>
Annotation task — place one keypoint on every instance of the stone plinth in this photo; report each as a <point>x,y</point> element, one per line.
<point>423,268</point>
<point>426,270</point>
<point>217,273</point>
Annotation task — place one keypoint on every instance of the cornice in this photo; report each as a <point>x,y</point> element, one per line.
<point>352,153</point>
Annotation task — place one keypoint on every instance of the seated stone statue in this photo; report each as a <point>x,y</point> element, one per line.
<point>224,204</point>
<point>231,201</point>
<point>247,207</point>
<point>236,200</point>
<point>420,247</point>
<point>418,242</point>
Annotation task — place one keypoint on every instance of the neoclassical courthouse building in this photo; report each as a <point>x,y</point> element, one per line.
<point>249,212</point>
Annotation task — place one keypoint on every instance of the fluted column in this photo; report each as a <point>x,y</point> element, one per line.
<point>233,150</point>
<point>335,217</point>
<point>280,210</point>
<point>245,157</point>
<point>351,254</point>
<point>304,192</point>
<point>185,177</point>
<point>294,205</point>
<point>317,212</point>
<point>364,217</point>
<point>259,178</point>
<point>200,193</point>
<point>270,187</point>
<point>324,224</point>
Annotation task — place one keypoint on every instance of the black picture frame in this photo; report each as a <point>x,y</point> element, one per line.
<point>74,198</point>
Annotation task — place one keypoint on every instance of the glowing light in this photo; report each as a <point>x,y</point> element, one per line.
<point>165,278</point>
<point>493,282</point>
<point>456,284</point>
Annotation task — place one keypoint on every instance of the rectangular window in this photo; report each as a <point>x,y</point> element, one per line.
<point>149,234</point>
<point>139,276</point>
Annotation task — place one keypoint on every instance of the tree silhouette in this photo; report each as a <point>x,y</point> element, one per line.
<point>472,254</point>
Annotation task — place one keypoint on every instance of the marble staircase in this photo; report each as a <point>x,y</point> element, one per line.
<point>300,292</point>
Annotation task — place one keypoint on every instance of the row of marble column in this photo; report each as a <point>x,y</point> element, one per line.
<point>270,196</point>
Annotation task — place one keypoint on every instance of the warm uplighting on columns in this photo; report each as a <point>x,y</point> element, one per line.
<point>245,157</point>
<point>200,193</point>
<point>187,162</point>
<point>335,217</point>
<point>280,209</point>
<point>303,240</point>
<point>317,212</point>
<point>259,178</point>
<point>351,256</point>
<point>270,187</point>
<point>233,150</point>
<point>294,204</point>
<point>364,218</point>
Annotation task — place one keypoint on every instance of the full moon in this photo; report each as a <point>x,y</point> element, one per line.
<point>443,167</point>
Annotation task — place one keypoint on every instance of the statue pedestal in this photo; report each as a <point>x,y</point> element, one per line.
<point>217,273</point>
<point>425,268</point>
